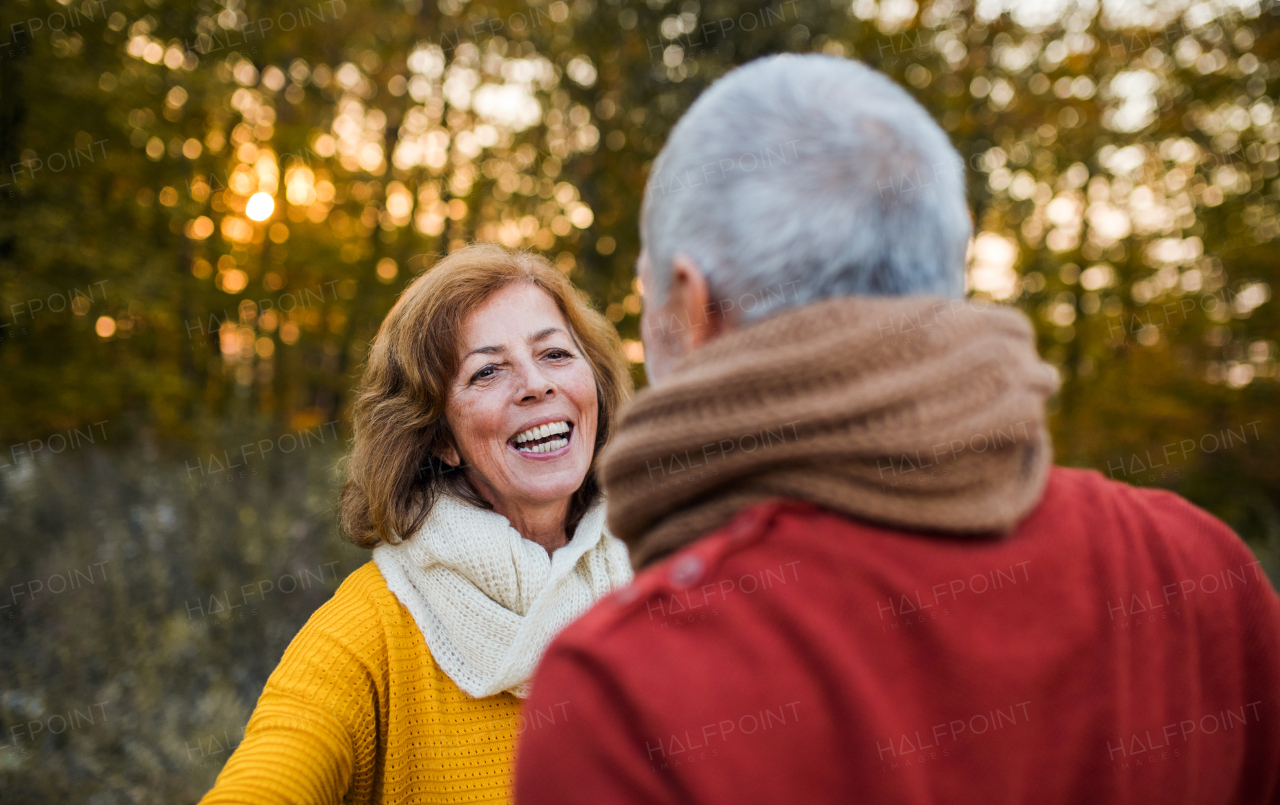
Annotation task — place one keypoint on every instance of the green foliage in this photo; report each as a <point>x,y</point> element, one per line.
<point>146,599</point>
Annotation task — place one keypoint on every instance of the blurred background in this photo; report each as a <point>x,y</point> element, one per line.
<point>206,209</point>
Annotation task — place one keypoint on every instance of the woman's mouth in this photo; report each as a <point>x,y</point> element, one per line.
<point>546,438</point>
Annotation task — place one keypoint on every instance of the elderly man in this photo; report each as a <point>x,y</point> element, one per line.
<point>863,579</point>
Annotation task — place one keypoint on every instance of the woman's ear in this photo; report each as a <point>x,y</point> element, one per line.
<point>445,450</point>
<point>449,456</point>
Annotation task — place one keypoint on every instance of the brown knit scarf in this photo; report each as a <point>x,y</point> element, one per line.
<point>915,412</point>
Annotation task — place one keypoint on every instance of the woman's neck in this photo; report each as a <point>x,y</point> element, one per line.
<point>543,524</point>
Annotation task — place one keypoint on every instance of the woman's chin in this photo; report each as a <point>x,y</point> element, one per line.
<point>548,482</point>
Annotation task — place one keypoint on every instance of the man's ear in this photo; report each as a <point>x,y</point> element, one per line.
<point>691,300</point>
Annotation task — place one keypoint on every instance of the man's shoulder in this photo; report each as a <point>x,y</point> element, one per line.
<point>1080,482</point>
<point>1149,513</point>
<point>688,583</point>
<point>1137,536</point>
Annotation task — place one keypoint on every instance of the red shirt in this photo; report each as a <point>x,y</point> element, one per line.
<point>1120,646</point>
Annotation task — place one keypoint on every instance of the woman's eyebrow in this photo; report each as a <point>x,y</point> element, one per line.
<point>541,335</point>
<point>485,351</point>
<point>544,334</point>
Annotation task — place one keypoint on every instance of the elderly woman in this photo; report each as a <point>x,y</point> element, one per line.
<point>489,390</point>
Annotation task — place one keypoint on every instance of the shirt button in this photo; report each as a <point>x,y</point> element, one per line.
<point>687,571</point>
<point>746,527</point>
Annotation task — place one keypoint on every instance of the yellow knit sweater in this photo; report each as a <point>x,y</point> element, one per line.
<point>359,712</point>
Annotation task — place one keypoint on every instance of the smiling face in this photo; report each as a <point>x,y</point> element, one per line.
<point>522,408</point>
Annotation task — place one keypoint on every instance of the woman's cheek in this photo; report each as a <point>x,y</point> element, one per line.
<point>585,399</point>
<point>482,415</point>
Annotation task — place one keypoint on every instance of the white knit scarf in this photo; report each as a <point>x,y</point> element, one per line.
<point>489,601</point>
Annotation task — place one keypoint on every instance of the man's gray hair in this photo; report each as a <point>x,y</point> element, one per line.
<point>797,178</point>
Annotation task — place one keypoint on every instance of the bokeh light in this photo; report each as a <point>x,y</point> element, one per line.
<point>260,206</point>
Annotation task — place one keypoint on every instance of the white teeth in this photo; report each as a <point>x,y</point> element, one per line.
<point>544,448</point>
<point>542,431</point>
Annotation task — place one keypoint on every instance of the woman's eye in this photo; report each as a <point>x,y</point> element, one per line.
<point>558,354</point>
<point>484,374</point>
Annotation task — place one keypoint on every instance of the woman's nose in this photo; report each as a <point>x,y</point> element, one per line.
<point>535,384</point>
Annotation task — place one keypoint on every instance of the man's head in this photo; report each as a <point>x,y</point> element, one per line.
<point>790,180</point>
